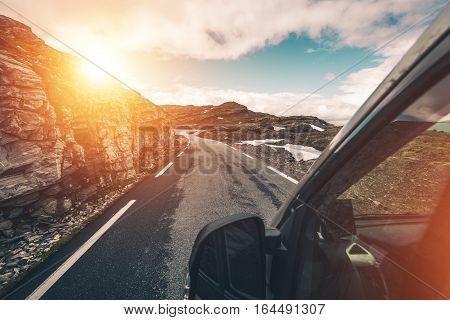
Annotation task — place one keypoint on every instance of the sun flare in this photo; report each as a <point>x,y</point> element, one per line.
<point>99,66</point>
<point>93,73</point>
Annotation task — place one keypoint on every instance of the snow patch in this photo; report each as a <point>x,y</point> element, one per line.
<point>220,118</point>
<point>259,142</point>
<point>300,152</point>
<point>278,128</point>
<point>316,128</point>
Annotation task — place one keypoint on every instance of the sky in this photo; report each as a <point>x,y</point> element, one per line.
<point>267,55</point>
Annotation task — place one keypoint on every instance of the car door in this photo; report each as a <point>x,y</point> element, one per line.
<point>367,221</point>
<point>377,228</point>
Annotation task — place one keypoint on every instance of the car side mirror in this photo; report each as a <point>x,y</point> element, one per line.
<point>228,260</point>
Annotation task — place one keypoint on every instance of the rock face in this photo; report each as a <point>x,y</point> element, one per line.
<point>63,139</point>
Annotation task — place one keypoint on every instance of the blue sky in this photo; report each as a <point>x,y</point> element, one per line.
<point>286,66</point>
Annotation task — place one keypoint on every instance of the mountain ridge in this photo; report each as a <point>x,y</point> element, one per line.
<point>230,112</point>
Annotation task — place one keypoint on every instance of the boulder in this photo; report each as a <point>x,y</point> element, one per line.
<point>8,233</point>
<point>52,190</point>
<point>5,225</point>
<point>16,212</point>
<point>49,206</point>
<point>86,193</point>
<point>66,205</point>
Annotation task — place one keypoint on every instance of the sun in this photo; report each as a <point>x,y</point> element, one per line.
<point>99,66</point>
<point>94,73</point>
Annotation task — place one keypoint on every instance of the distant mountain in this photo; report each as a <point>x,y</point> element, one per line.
<point>441,126</point>
<point>230,112</point>
<point>233,122</point>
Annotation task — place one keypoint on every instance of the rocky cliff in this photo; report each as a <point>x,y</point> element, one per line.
<point>62,140</point>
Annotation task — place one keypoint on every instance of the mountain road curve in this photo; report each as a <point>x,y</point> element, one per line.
<point>140,247</point>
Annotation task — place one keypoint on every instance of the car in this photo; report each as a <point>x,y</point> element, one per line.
<point>370,219</point>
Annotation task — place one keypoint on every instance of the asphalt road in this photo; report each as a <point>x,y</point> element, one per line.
<point>144,254</point>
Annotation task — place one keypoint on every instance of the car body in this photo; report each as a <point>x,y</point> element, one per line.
<point>370,220</point>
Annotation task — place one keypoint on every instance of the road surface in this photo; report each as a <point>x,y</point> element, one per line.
<point>144,240</point>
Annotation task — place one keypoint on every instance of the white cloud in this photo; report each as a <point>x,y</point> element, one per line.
<point>216,29</point>
<point>358,86</point>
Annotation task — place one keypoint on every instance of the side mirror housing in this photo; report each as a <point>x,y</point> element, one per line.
<point>228,260</point>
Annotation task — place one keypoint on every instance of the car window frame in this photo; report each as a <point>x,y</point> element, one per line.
<point>425,64</point>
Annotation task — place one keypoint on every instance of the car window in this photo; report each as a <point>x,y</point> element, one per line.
<point>408,182</point>
<point>403,169</point>
<point>392,187</point>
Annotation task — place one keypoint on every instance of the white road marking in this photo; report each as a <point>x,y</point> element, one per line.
<point>250,157</point>
<point>180,154</point>
<point>55,276</point>
<point>164,169</point>
<point>283,175</point>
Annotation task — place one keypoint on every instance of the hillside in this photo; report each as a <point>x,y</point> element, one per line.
<point>290,144</point>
